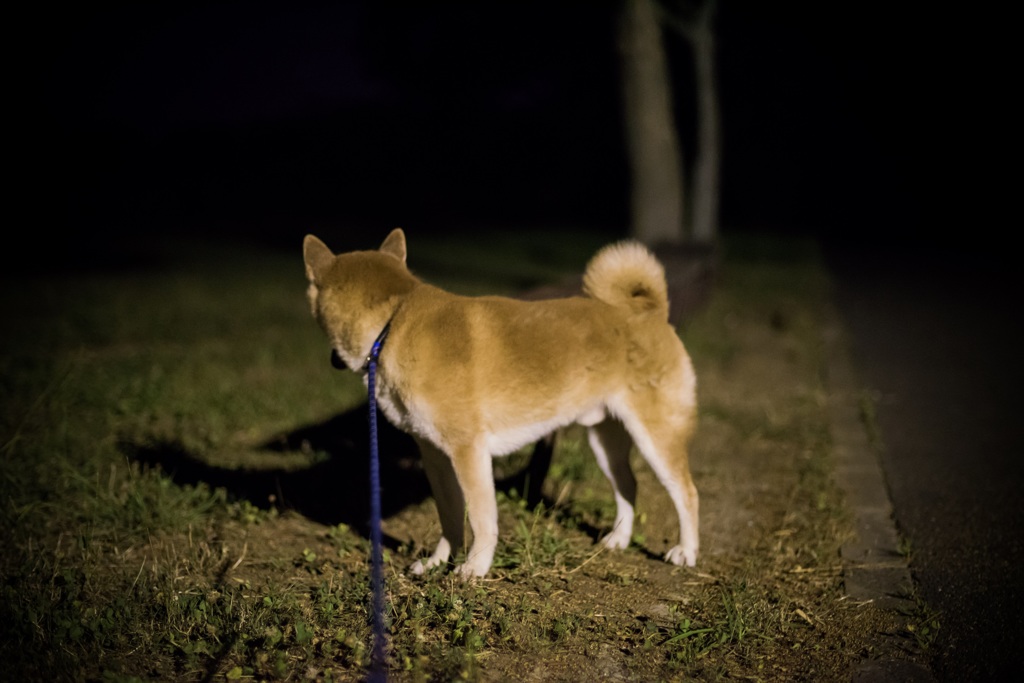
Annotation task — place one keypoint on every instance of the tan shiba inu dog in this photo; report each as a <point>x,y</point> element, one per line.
<point>474,377</point>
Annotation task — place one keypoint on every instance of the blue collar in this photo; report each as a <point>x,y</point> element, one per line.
<point>378,344</point>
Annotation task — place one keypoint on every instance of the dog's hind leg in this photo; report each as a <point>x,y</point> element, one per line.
<point>611,443</point>
<point>449,501</point>
<point>664,446</point>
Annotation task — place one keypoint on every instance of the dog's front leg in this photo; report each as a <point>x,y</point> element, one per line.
<point>450,506</point>
<point>476,476</point>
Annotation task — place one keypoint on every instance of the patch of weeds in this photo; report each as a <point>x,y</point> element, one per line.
<point>128,499</point>
<point>566,625</point>
<point>734,624</point>
<point>344,539</point>
<point>905,548</point>
<point>535,543</point>
<point>573,461</point>
<point>330,605</point>
<point>201,626</point>
<point>258,633</point>
<point>686,642</point>
<point>593,514</point>
<point>923,622</point>
<point>244,511</point>
<point>440,629</point>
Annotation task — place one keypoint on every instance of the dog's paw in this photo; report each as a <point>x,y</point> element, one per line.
<point>466,573</point>
<point>440,555</point>
<point>419,567</point>
<point>472,570</point>
<point>679,555</point>
<point>618,539</point>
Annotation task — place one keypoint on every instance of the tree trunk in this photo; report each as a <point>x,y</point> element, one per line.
<point>707,165</point>
<point>653,145</point>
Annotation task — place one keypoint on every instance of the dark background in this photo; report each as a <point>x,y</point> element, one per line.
<point>269,120</point>
<point>885,130</point>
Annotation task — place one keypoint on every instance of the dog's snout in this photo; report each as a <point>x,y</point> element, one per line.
<point>336,362</point>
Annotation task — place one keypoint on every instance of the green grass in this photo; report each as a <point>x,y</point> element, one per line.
<point>189,565</point>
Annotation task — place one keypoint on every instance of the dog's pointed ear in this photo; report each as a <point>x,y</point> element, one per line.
<point>395,244</point>
<point>318,258</point>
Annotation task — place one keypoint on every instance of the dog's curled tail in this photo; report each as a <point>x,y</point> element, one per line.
<point>627,275</point>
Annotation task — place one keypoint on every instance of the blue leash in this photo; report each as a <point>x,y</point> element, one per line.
<point>378,671</point>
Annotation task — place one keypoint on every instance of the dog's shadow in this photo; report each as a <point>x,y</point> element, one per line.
<point>331,483</point>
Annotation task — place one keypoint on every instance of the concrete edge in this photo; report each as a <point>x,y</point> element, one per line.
<point>874,569</point>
